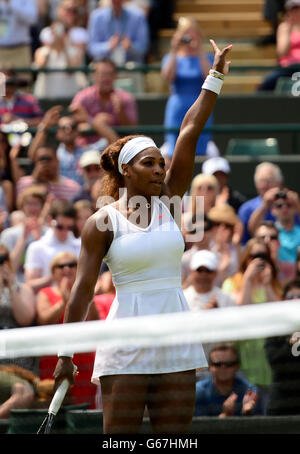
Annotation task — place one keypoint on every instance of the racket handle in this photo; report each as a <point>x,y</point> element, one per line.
<point>59,397</point>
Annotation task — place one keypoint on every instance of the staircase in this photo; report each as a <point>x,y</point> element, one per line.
<point>237,22</point>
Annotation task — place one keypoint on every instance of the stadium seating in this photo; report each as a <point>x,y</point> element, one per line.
<point>253,147</point>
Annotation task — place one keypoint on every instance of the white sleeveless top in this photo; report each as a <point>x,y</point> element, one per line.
<point>146,270</point>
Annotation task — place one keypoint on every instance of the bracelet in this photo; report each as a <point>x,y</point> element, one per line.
<point>214,73</point>
<point>65,353</point>
<point>211,83</point>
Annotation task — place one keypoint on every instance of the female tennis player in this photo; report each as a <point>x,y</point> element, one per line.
<point>144,255</point>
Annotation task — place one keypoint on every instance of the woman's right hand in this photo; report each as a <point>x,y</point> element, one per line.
<point>255,267</point>
<point>64,369</point>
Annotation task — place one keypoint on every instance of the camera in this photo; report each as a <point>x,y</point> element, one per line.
<point>186,39</point>
<point>281,195</point>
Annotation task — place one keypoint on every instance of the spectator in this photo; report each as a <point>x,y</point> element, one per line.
<point>267,179</point>
<point>84,209</point>
<point>224,393</point>
<point>63,46</point>
<point>219,167</point>
<point>46,174</point>
<point>284,208</point>
<point>7,171</point>
<point>91,171</point>
<point>21,388</point>
<point>18,237</point>
<point>226,241</point>
<point>288,46</point>
<point>50,307</point>
<point>68,152</point>
<point>17,305</point>
<point>103,106</point>
<point>59,238</point>
<point>105,294</point>
<point>202,292</point>
<point>17,17</point>
<point>197,236</point>
<point>203,193</point>
<point>280,350</point>
<point>118,32</point>
<point>271,12</point>
<point>185,67</point>
<point>255,283</point>
<point>268,232</point>
<point>15,105</point>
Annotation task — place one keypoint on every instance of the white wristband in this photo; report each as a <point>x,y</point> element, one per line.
<point>213,84</point>
<point>65,353</point>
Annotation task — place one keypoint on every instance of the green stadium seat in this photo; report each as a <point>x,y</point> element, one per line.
<point>284,86</point>
<point>127,84</point>
<point>253,147</point>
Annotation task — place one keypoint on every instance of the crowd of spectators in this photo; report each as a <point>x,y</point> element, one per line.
<point>249,250</point>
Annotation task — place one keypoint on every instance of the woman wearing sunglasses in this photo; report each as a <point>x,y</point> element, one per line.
<point>50,307</point>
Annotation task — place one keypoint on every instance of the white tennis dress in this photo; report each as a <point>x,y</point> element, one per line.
<point>146,271</point>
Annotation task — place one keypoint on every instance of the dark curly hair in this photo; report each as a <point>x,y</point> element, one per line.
<point>112,180</point>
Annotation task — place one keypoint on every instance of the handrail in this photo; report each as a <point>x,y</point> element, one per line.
<point>143,68</point>
<point>218,129</point>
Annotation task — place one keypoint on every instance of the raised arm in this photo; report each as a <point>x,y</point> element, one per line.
<point>181,170</point>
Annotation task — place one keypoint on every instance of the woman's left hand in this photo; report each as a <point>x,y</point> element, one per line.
<point>220,64</point>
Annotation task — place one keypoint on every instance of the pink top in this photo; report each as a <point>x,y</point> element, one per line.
<point>293,55</point>
<point>90,99</point>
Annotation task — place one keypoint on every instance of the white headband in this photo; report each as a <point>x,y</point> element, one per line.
<point>132,148</point>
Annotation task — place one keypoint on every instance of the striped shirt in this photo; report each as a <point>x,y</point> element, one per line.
<point>23,106</point>
<point>64,189</point>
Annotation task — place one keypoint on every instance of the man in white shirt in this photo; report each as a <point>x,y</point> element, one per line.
<point>57,239</point>
<point>202,293</point>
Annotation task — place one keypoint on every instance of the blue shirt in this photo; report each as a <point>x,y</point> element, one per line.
<point>245,212</point>
<point>209,401</point>
<point>16,17</point>
<point>131,23</point>
<point>289,243</point>
<point>69,163</point>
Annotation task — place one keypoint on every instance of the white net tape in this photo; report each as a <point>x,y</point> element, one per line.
<point>224,324</point>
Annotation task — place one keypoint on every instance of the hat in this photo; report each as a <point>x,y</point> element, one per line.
<point>292,4</point>
<point>89,157</point>
<point>204,258</point>
<point>223,213</point>
<point>217,164</point>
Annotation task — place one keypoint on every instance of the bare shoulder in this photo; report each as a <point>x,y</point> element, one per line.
<point>97,230</point>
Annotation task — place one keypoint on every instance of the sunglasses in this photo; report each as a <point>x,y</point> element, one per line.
<point>63,227</point>
<point>293,296</point>
<point>66,265</point>
<point>202,269</point>
<point>3,258</point>
<point>224,363</point>
<point>208,188</point>
<point>45,159</point>
<point>206,228</point>
<point>270,237</point>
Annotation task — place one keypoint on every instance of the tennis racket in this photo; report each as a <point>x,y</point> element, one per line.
<point>54,406</point>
